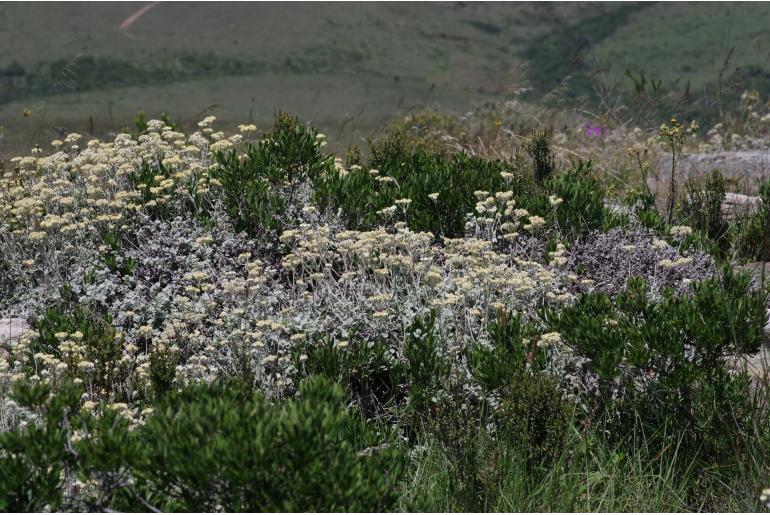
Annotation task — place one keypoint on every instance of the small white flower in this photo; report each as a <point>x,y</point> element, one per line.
<point>680,230</point>
<point>549,339</point>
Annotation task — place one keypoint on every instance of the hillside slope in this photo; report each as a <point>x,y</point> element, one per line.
<point>82,66</point>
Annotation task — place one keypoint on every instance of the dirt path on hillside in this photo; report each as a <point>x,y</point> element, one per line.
<point>138,14</point>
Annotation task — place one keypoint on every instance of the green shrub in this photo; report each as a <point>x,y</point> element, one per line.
<point>98,343</point>
<point>531,413</point>
<point>8,283</point>
<point>539,149</point>
<point>503,363</point>
<point>361,196</point>
<point>425,131</point>
<point>470,456</point>
<point>163,362</point>
<point>701,208</point>
<point>204,448</point>
<point>105,458</point>
<point>33,458</point>
<point>752,233</point>
<point>426,369</point>
<point>533,416</point>
<point>643,206</point>
<point>263,189</point>
<point>582,209</point>
<point>372,376</point>
<point>210,448</point>
<point>662,364</point>
<point>379,381</point>
<point>114,259</point>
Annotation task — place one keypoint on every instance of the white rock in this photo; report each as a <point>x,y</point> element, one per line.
<point>12,328</point>
<point>747,169</point>
<point>738,204</point>
<point>750,166</point>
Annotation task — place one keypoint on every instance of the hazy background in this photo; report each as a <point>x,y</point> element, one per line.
<point>350,67</point>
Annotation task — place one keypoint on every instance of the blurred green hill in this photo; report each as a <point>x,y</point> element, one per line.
<point>349,67</point>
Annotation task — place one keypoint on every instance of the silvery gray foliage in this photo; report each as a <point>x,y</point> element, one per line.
<point>35,274</point>
<point>609,259</point>
<point>164,252</point>
<point>526,246</point>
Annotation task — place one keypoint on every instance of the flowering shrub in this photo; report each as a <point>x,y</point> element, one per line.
<point>430,192</point>
<point>444,291</point>
<point>605,261</point>
<point>57,209</point>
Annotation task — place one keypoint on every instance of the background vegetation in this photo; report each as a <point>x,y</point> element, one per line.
<point>349,69</point>
<point>516,308</point>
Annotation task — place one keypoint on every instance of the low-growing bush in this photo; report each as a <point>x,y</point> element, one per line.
<point>114,257</point>
<point>469,455</point>
<point>371,374</point>
<point>208,450</point>
<point>386,377</point>
<point>539,149</point>
<point>642,205</point>
<point>701,208</point>
<point>34,458</point>
<point>581,209</point>
<point>533,416</point>
<point>426,367</point>
<point>428,131</point>
<point>606,260</point>
<point>752,233</point>
<point>265,188</point>
<point>205,448</point>
<point>661,365</point>
<point>76,344</point>
<point>531,411</point>
<point>429,191</point>
<point>513,347</point>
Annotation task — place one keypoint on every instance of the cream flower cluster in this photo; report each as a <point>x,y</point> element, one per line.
<point>360,275</point>
<point>75,190</point>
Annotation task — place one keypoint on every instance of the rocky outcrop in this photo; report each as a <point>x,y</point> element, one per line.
<point>745,170</point>
<point>12,328</point>
<point>736,205</point>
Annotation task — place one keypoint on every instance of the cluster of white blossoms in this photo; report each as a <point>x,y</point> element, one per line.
<point>51,205</point>
<point>391,276</point>
<point>496,213</point>
<point>194,303</point>
<point>680,230</point>
<point>228,318</point>
<point>668,263</point>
